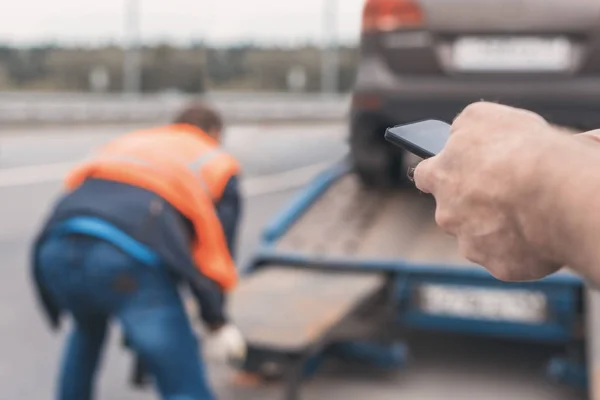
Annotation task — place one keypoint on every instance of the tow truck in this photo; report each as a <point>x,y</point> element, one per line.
<point>344,270</point>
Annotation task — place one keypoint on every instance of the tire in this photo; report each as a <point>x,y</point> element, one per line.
<point>377,163</point>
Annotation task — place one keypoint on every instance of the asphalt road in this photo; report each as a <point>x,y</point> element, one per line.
<point>31,164</point>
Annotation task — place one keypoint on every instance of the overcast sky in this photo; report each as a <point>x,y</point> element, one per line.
<point>275,21</point>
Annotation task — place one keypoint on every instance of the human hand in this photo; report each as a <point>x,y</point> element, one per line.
<point>225,344</point>
<point>490,190</point>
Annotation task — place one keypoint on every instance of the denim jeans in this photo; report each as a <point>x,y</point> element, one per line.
<point>94,282</point>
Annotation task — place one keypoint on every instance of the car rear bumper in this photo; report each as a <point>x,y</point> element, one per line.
<point>573,102</point>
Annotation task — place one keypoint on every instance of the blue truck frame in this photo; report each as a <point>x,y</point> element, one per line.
<point>563,291</point>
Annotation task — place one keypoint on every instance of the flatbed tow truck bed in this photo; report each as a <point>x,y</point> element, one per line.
<point>344,270</point>
<point>352,221</point>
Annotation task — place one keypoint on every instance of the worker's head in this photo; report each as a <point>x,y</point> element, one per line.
<point>203,117</point>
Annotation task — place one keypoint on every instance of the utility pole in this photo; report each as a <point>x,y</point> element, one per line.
<point>329,56</point>
<point>132,56</point>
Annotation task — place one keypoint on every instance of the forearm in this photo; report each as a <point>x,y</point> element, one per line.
<point>567,208</point>
<point>582,215</point>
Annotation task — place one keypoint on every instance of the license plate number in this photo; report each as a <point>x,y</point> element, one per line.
<point>512,54</point>
<point>522,306</point>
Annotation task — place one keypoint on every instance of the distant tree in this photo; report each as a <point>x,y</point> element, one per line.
<point>193,68</point>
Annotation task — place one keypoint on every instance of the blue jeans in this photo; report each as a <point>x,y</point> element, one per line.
<point>94,281</point>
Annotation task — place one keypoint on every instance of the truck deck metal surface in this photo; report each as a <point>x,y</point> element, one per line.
<point>349,220</point>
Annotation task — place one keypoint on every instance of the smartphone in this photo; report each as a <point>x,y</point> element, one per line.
<point>424,139</point>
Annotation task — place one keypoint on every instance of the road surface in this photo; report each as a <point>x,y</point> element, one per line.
<point>276,159</point>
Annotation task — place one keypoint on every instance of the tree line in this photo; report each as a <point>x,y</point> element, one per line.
<point>164,67</point>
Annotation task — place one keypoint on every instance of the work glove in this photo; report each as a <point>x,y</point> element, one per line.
<point>225,344</point>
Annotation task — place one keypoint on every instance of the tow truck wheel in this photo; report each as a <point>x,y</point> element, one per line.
<point>377,163</point>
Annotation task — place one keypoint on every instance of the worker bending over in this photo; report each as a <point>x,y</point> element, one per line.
<point>149,210</point>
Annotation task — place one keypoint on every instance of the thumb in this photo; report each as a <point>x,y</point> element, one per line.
<point>424,175</point>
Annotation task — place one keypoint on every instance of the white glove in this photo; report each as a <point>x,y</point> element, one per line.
<point>225,345</point>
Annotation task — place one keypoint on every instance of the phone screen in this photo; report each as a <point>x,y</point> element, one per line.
<point>424,139</point>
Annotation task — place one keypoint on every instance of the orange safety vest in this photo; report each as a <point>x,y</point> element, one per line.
<point>186,167</point>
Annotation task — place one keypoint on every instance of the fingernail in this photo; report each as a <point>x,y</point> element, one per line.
<point>411,174</point>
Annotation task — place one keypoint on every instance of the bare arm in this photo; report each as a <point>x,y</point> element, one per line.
<point>572,205</point>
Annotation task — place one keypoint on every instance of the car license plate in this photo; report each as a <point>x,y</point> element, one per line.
<point>512,54</point>
<point>475,303</point>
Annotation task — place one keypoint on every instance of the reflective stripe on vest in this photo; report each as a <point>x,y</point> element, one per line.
<point>196,165</point>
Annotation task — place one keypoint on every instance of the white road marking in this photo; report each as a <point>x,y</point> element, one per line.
<point>282,181</point>
<point>252,187</point>
<point>34,174</point>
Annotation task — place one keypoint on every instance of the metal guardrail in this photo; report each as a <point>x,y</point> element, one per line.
<point>20,108</point>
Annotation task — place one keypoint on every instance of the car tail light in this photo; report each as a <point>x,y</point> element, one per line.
<point>388,15</point>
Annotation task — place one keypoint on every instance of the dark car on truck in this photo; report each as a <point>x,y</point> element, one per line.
<point>422,59</point>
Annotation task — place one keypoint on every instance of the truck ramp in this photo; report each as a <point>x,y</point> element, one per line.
<point>349,220</point>
<point>289,316</point>
<point>289,310</point>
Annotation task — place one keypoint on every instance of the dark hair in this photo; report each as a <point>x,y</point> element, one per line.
<point>200,116</point>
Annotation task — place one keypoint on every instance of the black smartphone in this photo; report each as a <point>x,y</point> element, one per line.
<point>424,139</point>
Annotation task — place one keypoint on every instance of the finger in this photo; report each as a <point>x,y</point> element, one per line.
<point>424,175</point>
<point>474,112</point>
<point>411,174</point>
<point>593,135</point>
<point>468,249</point>
<point>446,220</point>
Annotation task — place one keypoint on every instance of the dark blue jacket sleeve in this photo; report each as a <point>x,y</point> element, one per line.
<point>229,211</point>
